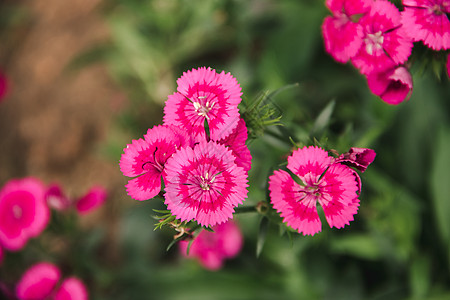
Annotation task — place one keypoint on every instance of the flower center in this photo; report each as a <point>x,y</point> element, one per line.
<point>17,211</point>
<point>156,164</point>
<point>437,9</point>
<point>203,109</point>
<point>206,181</point>
<point>374,42</point>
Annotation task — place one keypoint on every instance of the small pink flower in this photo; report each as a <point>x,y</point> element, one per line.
<point>359,158</point>
<point>204,184</point>
<point>333,185</point>
<point>236,142</point>
<point>341,32</point>
<point>204,95</point>
<point>393,85</point>
<point>146,158</point>
<point>71,289</point>
<point>3,86</point>
<point>385,42</point>
<point>93,199</point>
<point>56,198</point>
<point>428,21</point>
<point>23,212</point>
<point>212,248</point>
<point>38,282</point>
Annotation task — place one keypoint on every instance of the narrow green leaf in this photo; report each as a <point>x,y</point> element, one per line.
<point>262,234</point>
<point>323,119</point>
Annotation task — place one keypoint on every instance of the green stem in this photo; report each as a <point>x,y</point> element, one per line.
<point>245,209</point>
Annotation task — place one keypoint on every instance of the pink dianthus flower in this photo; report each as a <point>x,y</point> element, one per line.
<point>23,212</point>
<point>204,184</point>
<point>56,198</point>
<point>236,142</point>
<point>92,200</point>
<point>38,282</point>
<point>359,158</point>
<point>341,32</point>
<point>393,85</point>
<point>71,289</point>
<point>203,94</point>
<point>428,21</point>
<point>333,185</point>
<point>385,42</point>
<point>146,158</point>
<point>212,248</point>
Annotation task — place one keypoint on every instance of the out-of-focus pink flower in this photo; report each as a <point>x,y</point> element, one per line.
<point>341,32</point>
<point>359,158</point>
<point>428,21</point>
<point>385,42</point>
<point>333,185</point>
<point>93,199</point>
<point>204,95</point>
<point>23,212</point>
<point>4,85</point>
<point>204,184</point>
<point>212,248</point>
<point>236,142</point>
<point>38,282</point>
<point>146,158</point>
<point>393,85</point>
<point>71,289</point>
<point>56,198</point>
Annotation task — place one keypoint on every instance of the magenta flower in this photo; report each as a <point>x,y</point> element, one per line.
<point>385,42</point>
<point>146,158</point>
<point>359,158</point>
<point>428,21</point>
<point>56,198</point>
<point>204,95</point>
<point>38,282</point>
<point>212,248</point>
<point>393,85</point>
<point>236,142</point>
<point>23,212</point>
<point>342,34</point>
<point>93,199</point>
<point>71,289</point>
<point>333,185</point>
<point>204,184</point>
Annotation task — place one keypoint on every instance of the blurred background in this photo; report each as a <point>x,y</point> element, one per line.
<point>87,77</point>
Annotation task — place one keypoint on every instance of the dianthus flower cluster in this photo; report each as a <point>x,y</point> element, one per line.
<point>199,154</point>
<point>318,178</point>
<point>377,38</point>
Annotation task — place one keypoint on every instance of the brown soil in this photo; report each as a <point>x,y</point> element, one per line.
<point>53,121</point>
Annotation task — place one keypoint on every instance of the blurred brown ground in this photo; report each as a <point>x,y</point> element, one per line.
<point>53,121</point>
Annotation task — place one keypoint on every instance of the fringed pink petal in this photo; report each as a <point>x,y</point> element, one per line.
<point>145,187</point>
<point>236,142</point>
<point>38,282</point>
<point>296,209</point>
<point>204,184</point>
<point>339,198</point>
<point>204,95</point>
<point>427,21</point>
<point>309,163</point>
